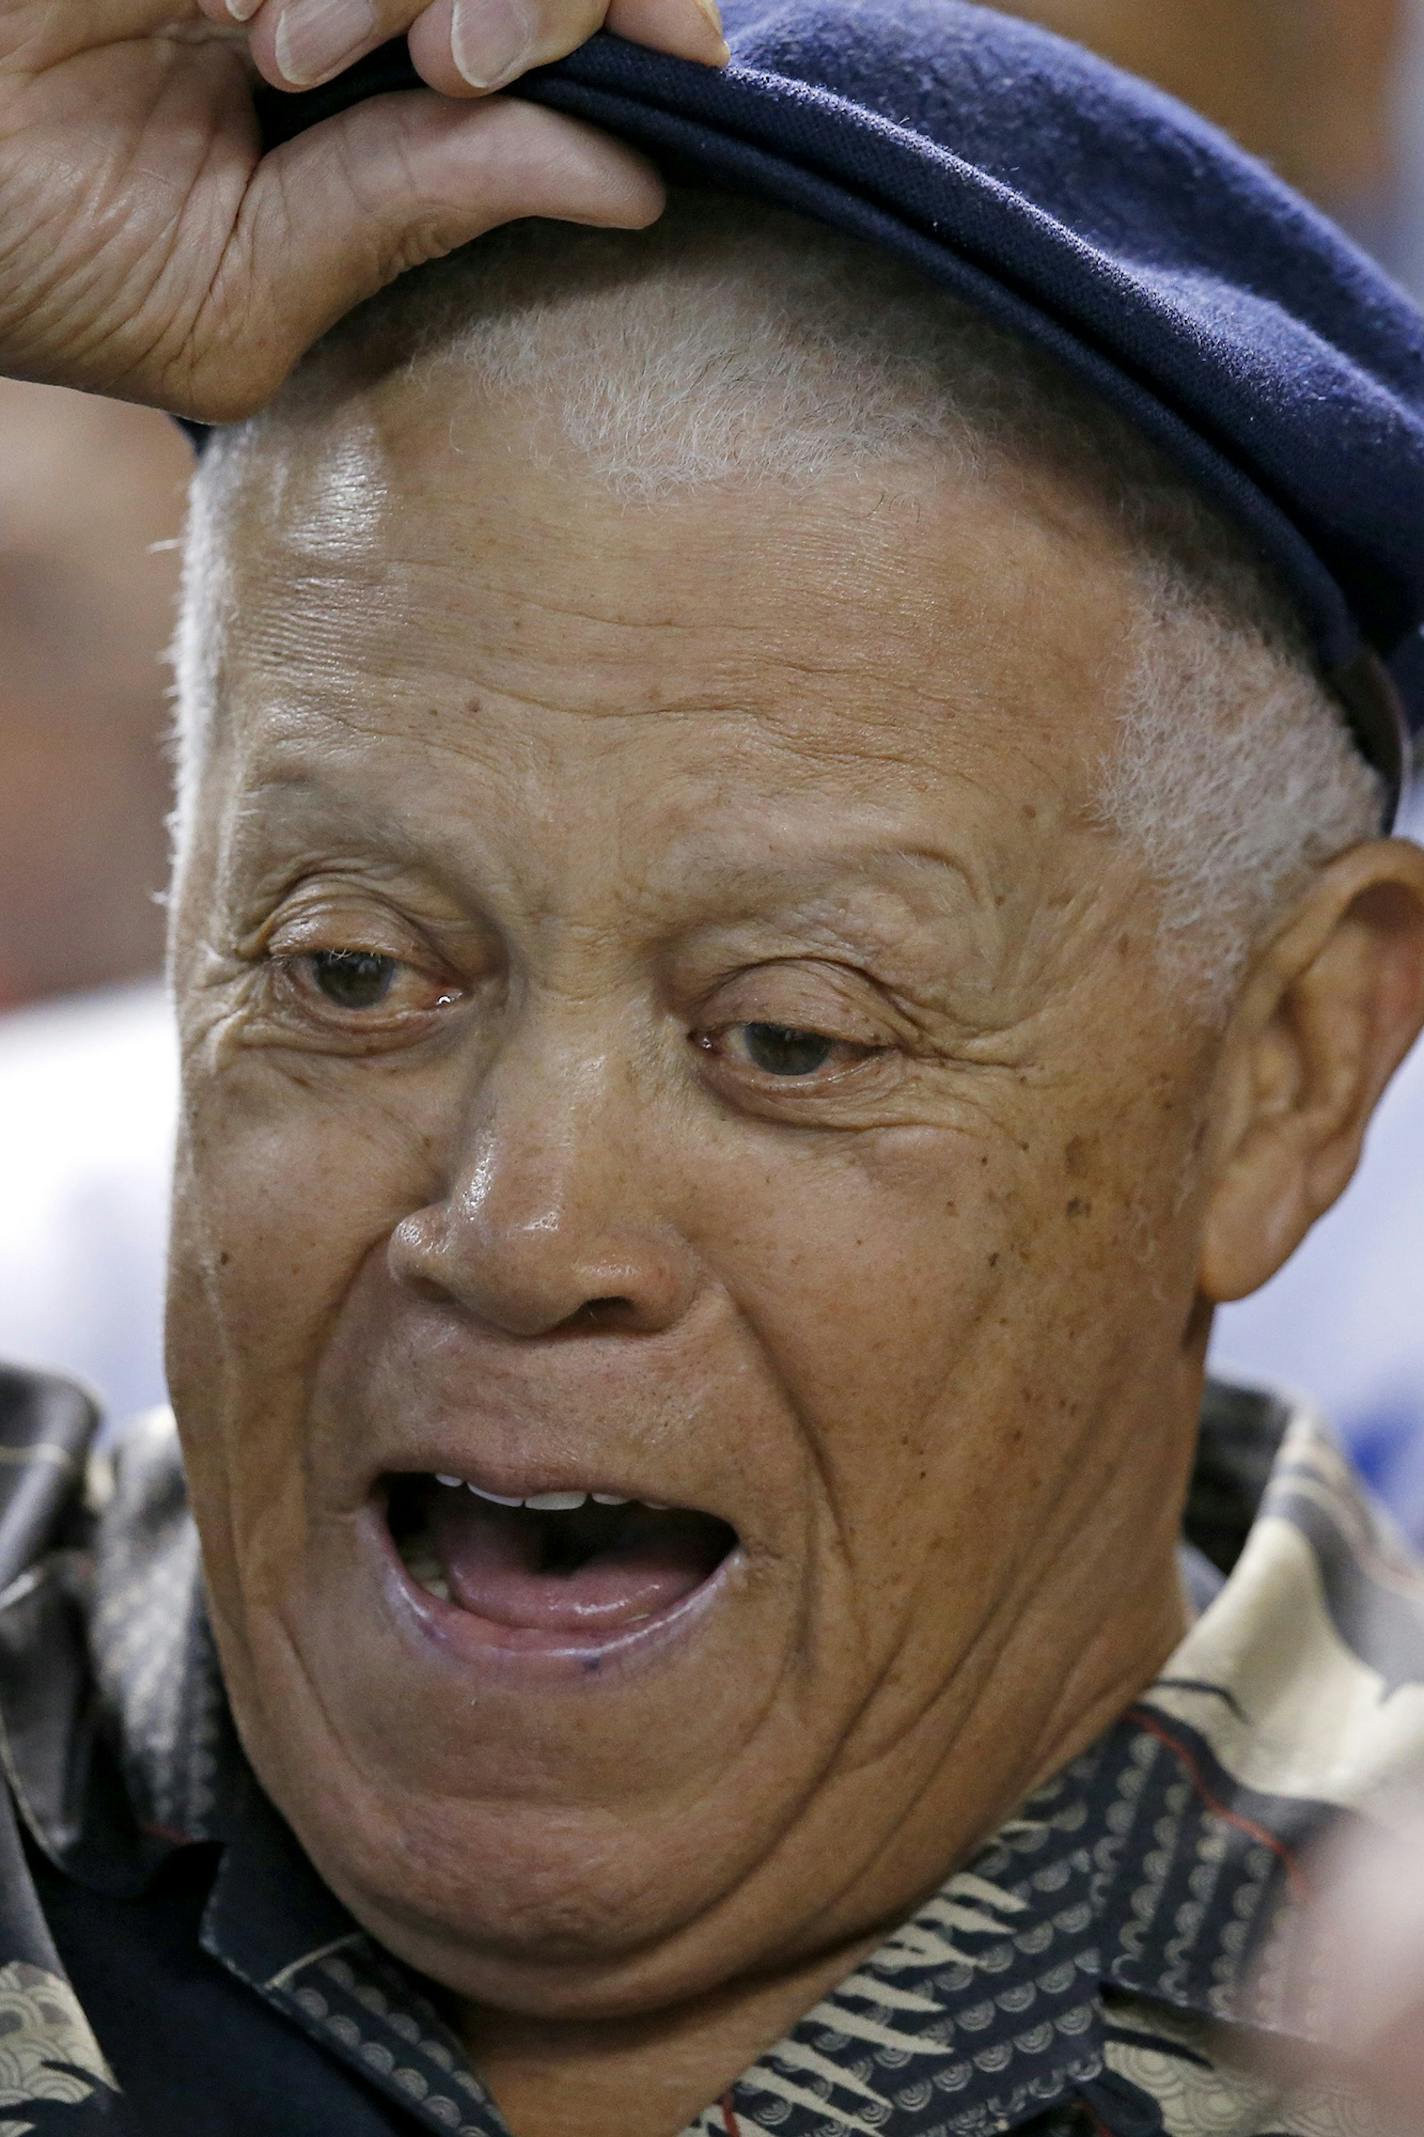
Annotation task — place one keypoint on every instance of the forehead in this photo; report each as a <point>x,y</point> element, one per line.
<point>411,567</point>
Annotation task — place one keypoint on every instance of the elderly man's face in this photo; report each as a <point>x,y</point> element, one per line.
<point>660,1022</point>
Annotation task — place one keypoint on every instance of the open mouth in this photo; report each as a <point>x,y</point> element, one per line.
<point>574,1561</point>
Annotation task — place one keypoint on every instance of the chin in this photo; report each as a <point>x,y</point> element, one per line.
<point>519,1810</point>
<point>547,1915</point>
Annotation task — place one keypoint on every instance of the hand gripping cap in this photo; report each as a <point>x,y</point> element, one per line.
<point>1176,276</point>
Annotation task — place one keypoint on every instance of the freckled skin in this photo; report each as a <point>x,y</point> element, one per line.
<point>927,1329</point>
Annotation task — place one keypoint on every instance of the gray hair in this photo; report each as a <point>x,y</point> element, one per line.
<point>735,343</point>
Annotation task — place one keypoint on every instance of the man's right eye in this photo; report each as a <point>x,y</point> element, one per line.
<point>358,990</point>
<point>353,979</point>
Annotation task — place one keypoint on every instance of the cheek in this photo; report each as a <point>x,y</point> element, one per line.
<point>283,1187</point>
<point>948,1316</point>
<point>873,1284</point>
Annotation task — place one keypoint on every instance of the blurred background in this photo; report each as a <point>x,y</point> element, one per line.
<point>1331,92</point>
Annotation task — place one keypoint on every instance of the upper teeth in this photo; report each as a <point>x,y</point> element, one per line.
<point>543,1502</point>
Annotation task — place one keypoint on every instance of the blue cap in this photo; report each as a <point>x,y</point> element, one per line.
<point>1176,276</point>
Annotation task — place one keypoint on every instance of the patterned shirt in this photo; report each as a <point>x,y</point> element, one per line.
<point>171,1962</point>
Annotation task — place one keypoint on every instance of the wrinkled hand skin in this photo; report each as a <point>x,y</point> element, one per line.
<point>149,251</point>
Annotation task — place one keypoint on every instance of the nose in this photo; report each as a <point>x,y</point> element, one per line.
<point>550,1218</point>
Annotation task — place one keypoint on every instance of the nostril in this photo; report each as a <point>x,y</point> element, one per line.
<point>600,1312</point>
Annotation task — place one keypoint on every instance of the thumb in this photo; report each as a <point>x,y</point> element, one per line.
<point>334,215</point>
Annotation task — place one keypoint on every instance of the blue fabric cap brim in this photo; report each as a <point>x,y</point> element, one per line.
<point>1177,277</point>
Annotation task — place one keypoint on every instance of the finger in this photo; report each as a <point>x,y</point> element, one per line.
<point>334,215</point>
<point>672,30</point>
<point>465,46</point>
<point>468,47</point>
<point>298,44</point>
<point>460,47</point>
<point>229,11</point>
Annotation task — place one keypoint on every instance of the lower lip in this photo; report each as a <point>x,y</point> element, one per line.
<point>518,1652</point>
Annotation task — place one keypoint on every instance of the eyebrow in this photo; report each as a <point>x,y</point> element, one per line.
<point>747,889</point>
<point>894,868</point>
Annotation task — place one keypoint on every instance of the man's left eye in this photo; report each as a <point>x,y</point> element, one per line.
<point>780,1050</point>
<point>784,1050</point>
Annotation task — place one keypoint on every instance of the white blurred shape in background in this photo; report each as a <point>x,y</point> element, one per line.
<point>88,1097</point>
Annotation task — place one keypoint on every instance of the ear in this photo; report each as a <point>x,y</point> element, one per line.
<point>1330,1010</point>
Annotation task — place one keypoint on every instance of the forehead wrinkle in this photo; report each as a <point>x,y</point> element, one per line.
<point>310,640</point>
<point>889,656</point>
<point>878,681</point>
<point>682,795</point>
<point>851,716</point>
<point>533,557</point>
<point>887,722</point>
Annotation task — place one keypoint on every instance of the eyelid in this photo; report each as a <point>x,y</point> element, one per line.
<point>332,923</point>
<point>769,993</point>
<point>304,926</point>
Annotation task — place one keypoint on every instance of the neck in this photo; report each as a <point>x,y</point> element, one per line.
<point>652,2073</point>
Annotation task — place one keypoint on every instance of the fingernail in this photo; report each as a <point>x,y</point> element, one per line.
<point>244,10</point>
<point>316,38</point>
<point>488,39</point>
<point>712,15</point>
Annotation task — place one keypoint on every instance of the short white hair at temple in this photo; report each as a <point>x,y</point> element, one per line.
<point>733,343</point>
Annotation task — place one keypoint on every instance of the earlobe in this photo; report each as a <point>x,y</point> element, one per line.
<point>1330,1010</point>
